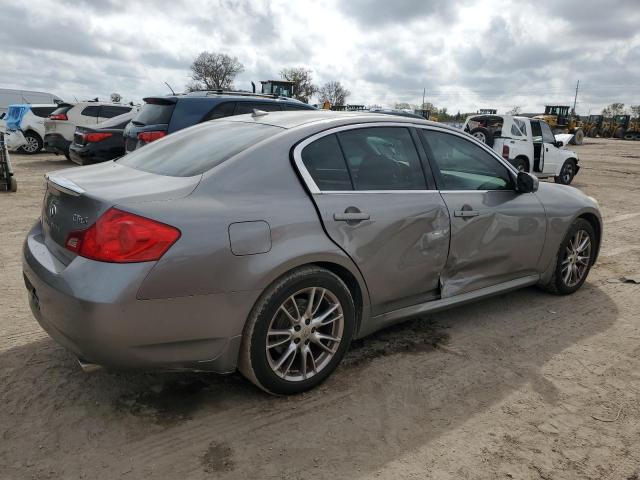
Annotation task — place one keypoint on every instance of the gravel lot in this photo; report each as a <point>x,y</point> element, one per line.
<point>525,385</point>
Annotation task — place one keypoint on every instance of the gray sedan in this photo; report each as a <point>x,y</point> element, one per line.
<point>267,242</point>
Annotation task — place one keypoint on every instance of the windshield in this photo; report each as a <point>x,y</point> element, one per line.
<point>197,149</point>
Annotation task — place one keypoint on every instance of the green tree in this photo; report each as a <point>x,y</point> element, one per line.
<point>214,71</point>
<point>303,87</point>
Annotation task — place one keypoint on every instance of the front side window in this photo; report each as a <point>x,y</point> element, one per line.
<point>536,131</point>
<point>464,166</point>
<point>547,134</point>
<point>325,163</point>
<point>382,158</point>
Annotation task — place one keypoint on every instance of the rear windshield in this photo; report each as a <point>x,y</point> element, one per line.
<point>197,149</point>
<point>154,114</point>
<point>42,112</point>
<point>117,122</point>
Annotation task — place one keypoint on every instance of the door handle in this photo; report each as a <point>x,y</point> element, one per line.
<point>351,216</point>
<point>466,213</point>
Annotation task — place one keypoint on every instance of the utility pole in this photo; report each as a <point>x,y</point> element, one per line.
<point>424,92</point>
<point>575,99</point>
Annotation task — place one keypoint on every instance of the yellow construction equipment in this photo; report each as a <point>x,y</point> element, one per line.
<point>562,121</point>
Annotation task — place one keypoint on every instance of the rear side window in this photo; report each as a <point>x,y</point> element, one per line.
<point>220,111</point>
<point>247,107</point>
<point>519,128</point>
<point>42,112</point>
<point>382,158</point>
<point>154,114</point>
<point>91,111</point>
<point>325,163</point>
<point>198,149</point>
<point>109,111</point>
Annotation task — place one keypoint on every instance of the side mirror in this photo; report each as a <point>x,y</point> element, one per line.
<point>558,144</point>
<point>526,183</point>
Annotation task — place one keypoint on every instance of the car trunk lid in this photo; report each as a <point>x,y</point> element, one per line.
<point>76,198</point>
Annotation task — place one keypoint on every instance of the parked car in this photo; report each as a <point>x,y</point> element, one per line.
<point>100,143</point>
<point>61,125</point>
<point>529,144</point>
<point>160,116</point>
<point>268,242</point>
<point>24,126</point>
<point>9,96</point>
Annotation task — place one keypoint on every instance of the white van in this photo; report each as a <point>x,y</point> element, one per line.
<point>15,97</point>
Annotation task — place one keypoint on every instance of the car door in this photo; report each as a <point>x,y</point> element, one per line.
<point>497,234</point>
<point>549,150</point>
<point>370,189</point>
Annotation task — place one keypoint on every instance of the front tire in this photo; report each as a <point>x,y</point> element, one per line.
<point>298,331</point>
<point>574,259</point>
<point>567,172</point>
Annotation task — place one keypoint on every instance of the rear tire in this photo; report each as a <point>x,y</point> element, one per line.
<point>578,137</point>
<point>567,173</point>
<point>619,133</point>
<point>629,136</point>
<point>573,263</point>
<point>484,135</point>
<point>34,143</point>
<point>13,184</point>
<point>283,349</point>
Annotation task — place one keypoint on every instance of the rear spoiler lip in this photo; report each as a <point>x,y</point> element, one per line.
<point>160,100</point>
<point>64,184</point>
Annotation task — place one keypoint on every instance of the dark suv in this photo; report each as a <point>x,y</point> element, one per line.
<point>161,116</point>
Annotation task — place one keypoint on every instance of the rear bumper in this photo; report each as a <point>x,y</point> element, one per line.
<point>56,143</point>
<point>103,322</point>
<point>89,155</point>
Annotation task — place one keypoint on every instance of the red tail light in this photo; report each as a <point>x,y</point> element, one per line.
<point>148,137</point>
<point>58,116</point>
<point>505,152</point>
<point>96,137</point>
<point>122,237</point>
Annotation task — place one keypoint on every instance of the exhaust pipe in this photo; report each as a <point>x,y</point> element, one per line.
<point>88,367</point>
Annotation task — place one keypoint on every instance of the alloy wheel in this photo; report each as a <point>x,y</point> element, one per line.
<point>304,334</point>
<point>481,136</point>
<point>32,144</point>
<point>576,259</point>
<point>567,173</point>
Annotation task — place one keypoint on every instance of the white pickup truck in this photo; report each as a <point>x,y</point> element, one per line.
<point>527,143</point>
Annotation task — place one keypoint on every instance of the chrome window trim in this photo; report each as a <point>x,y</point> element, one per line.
<point>313,188</point>
<point>311,184</point>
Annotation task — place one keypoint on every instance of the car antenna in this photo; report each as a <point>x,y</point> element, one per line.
<point>167,84</point>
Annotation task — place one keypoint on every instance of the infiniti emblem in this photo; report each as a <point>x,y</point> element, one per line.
<point>53,209</point>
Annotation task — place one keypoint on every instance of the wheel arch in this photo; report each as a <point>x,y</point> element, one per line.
<point>32,131</point>
<point>595,222</point>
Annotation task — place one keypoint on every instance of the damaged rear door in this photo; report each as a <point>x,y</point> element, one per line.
<point>375,203</point>
<point>497,233</point>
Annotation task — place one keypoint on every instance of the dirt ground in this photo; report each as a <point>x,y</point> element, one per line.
<point>523,386</point>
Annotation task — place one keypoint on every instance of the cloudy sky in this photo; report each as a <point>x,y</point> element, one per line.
<point>467,54</point>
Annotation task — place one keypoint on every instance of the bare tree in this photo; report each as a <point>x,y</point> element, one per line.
<point>515,110</point>
<point>116,97</point>
<point>403,106</point>
<point>613,109</point>
<point>214,71</point>
<point>334,93</point>
<point>303,87</point>
<point>635,111</point>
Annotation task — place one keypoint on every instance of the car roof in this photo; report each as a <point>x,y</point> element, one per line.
<point>298,118</point>
<point>233,96</point>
